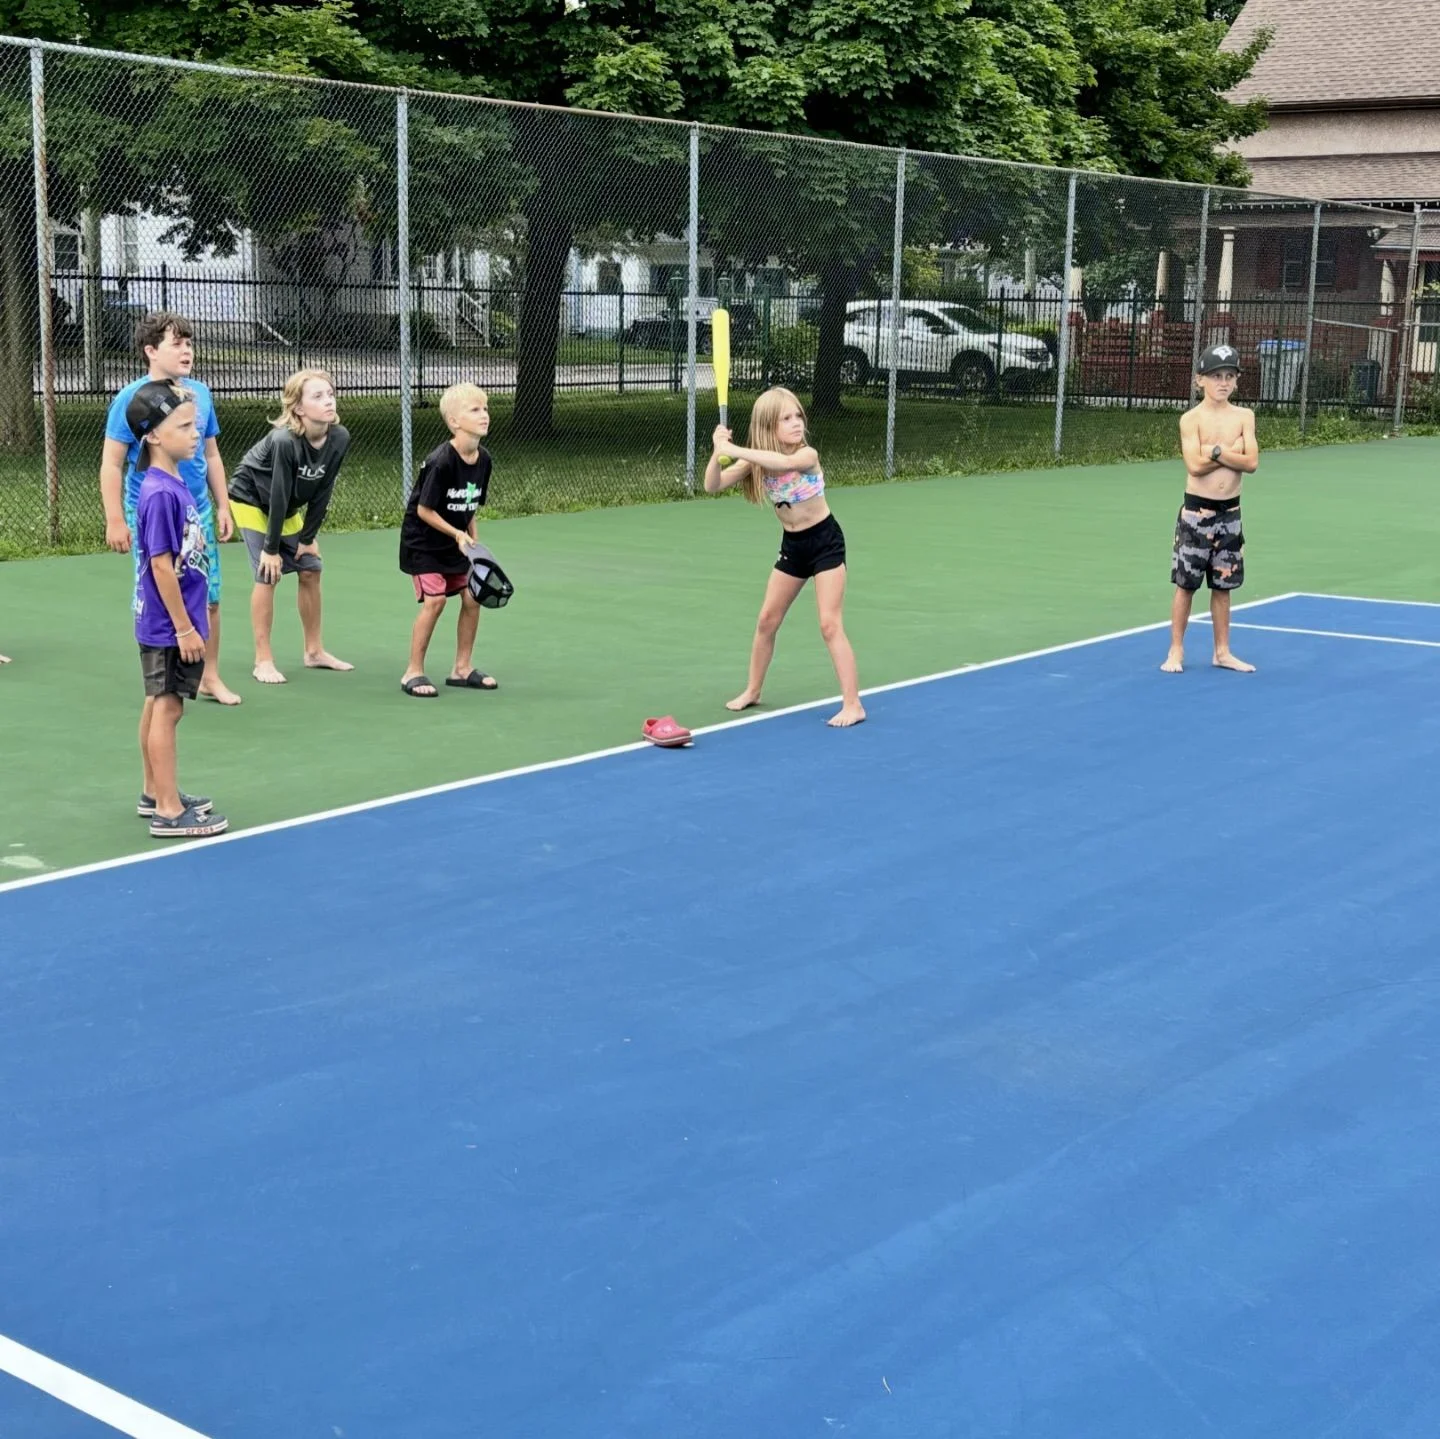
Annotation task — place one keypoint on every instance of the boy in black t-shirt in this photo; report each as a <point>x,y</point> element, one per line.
<point>439,524</point>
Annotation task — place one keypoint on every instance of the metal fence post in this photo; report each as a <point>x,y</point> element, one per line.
<point>417,339</point>
<point>693,289</point>
<point>765,311</point>
<point>402,283</point>
<point>91,312</point>
<point>896,263</point>
<point>1309,322</point>
<point>1062,360</point>
<point>1412,290</point>
<point>1200,283</point>
<point>43,263</point>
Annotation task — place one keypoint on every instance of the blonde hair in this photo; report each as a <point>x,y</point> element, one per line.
<point>293,393</point>
<point>457,397</point>
<point>764,423</point>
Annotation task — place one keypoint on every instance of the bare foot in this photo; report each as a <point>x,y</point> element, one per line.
<point>848,715</point>
<point>219,691</point>
<point>326,661</point>
<point>744,701</point>
<point>1227,661</point>
<point>267,674</point>
<point>1174,663</point>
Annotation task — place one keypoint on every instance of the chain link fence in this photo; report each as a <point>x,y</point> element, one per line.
<point>938,314</point>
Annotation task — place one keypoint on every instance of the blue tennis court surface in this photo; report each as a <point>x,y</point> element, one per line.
<point>1056,1055</point>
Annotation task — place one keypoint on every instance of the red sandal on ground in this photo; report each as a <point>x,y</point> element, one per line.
<point>666,733</point>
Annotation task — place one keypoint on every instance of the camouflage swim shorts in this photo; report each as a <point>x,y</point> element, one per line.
<point>1209,545</point>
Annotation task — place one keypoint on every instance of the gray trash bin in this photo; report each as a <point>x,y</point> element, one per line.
<point>1281,365</point>
<point>1365,382</point>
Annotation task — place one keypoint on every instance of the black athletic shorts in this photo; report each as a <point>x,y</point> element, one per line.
<point>810,551</point>
<point>167,674</point>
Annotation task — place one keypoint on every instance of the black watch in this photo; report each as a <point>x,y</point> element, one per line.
<point>1215,453</point>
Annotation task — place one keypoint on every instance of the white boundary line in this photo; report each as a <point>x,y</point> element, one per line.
<point>88,1396</point>
<point>190,846</point>
<point>1363,599</point>
<point>1340,635</point>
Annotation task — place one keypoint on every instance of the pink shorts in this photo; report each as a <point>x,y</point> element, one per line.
<point>435,586</point>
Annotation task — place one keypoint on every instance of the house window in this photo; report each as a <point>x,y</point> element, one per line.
<point>130,244</point>
<point>1428,332</point>
<point>1296,275</point>
<point>67,250</point>
<point>608,277</point>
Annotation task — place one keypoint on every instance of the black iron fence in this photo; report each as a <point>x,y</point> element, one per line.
<point>1127,348</point>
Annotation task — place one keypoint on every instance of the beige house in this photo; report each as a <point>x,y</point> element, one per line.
<point>1354,100</point>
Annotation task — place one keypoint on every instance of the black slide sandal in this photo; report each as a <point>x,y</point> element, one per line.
<point>413,684</point>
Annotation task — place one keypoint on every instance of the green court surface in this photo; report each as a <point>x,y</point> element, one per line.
<point>624,613</point>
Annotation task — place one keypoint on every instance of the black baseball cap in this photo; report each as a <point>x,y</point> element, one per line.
<point>488,583</point>
<point>152,404</point>
<point>1220,357</point>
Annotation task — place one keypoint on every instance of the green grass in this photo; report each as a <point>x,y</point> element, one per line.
<point>623,613</point>
<point>610,450</point>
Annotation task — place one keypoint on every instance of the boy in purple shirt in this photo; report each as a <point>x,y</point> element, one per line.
<point>171,589</point>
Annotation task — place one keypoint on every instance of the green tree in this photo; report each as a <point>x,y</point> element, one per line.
<point>936,74</point>
<point>1036,80</point>
<point>1094,83</point>
<point>214,154</point>
<point>18,298</point>
<point>1156,82</point>
<point>1227,11</point>
<point>306,169</point>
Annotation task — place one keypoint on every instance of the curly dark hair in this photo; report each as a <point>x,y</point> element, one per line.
<point>153,328</point>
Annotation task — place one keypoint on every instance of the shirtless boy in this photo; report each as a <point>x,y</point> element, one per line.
<point>1217,442</point>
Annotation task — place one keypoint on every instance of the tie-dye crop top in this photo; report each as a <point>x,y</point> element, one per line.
<point>794,486</point>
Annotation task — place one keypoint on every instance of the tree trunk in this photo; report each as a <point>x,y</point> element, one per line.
<point>550,238</point>
<point>17,325</point>
<point>837,290</point>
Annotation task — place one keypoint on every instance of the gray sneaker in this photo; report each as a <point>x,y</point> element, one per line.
<point>145,805</point>
<point>188,824</point>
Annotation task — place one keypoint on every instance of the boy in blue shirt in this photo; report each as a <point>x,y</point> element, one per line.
<point>165,341</point>
<point>171,609</point>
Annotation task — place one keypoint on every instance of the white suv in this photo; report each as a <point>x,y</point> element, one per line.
<point>938,337</point>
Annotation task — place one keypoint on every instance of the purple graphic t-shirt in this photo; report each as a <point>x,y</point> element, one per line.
<point>168,523</point>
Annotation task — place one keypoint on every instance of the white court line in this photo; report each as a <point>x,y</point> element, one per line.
<point>87,1396</point>
<point>1363,600</point>
<point>1340,635</point>
<point>190,846</point>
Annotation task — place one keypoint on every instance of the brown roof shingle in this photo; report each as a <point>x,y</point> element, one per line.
<point>1349,177</point>
<point>1328,52</point>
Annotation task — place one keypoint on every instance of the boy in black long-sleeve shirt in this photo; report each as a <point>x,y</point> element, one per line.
<point>293,469</point>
